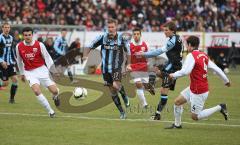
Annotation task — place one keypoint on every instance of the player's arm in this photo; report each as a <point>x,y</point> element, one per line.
<point>56,45</point>
<point>186,68</point>
<point>2,45</point>
<point>94,44</point>
<point>220,73</point>
<point>170,44</point>
<point>128,55</point>
<point>20,64</point>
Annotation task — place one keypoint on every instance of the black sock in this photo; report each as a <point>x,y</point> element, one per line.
<point>152,79</point>
<point>70,75</point>
<point>13,91</point>
<point>162,103</point>
<point>122,92</point>
<point>117,102</point>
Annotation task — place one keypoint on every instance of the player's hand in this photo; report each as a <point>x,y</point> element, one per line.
<point>128,67</point>
<point>4,65</point>
<point>228,84</point>
<point>170,76</point>
<point>23,78</point>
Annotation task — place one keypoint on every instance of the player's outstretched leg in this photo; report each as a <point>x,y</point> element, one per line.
<point>117,102</point>
<point>162,103</point>
<point>13,91</point>
<point>224,111</point>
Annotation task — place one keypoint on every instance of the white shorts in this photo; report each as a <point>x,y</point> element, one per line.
<point>196,100</point>
<point>39,76</point>
<point>140,76</point>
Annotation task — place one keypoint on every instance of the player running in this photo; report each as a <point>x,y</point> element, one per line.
<point>196,64</point>
<point>31,59</point>
<point>173,50</point>
<point>113,46</point>
<point>8,62</point>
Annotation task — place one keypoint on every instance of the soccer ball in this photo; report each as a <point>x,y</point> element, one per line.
<point>80,93</point>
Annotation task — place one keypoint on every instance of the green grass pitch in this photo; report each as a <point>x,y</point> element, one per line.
<point>27,123</point>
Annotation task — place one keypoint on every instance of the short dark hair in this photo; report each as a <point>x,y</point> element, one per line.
<point>63,29</point>
<point>171,25</point>
<point>27,29</point>
<point>137,29</point>
<point>193,41</point>
<point>111,20</point>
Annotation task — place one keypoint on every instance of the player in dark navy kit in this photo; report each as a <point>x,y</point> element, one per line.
<point>113,46</point>
<point>8,61</point>
<point>173,50</point>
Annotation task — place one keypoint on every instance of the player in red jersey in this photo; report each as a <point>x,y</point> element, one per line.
<point>139,67</point>
<point>31,59</point>
<point>196,64</point>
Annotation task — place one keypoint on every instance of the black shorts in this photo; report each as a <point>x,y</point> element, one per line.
<point>6,73</point>
<point>109,78</point>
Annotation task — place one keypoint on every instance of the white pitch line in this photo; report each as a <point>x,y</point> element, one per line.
<point>112,119</point>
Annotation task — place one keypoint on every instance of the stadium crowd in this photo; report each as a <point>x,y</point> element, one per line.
<point>190,15</point>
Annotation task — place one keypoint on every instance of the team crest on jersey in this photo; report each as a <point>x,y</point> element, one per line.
<point>143,48</point>
<point>35,50</point>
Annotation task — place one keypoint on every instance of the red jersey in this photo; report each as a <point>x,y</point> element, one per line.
<point>138,63</point>
<point>31,55</point>
<point>199,82</point>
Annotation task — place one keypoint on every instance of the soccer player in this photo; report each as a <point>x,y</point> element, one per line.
<point>196,64</point>
<point>61,48</point>
<point>173,50</point>
<point>31,59</point>
<point>139,67</point>
<point>113,46</point>
<point>7,61</point>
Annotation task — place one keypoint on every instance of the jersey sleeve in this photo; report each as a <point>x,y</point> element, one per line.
<point>96,42</point>
<point>220,73</point>
<point>170,44</point>
<point>48,60</point>
<point>19,61</point>
<point>186,68</point>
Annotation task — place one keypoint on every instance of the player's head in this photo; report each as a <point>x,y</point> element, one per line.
<point>112,27</point>
<point>169,28</point>
<point>6,28</point>
<point>27,34</point>
<point>137,34</point>
<point>192,43</point>
<point>64,32</point>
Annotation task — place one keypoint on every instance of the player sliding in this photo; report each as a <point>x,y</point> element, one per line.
<point>196,64</point>
<point>112,51</point>
<point>31,59</point>
<point>173,50</point>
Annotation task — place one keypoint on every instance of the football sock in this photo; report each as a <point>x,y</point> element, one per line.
<point>177,114</point>
<point>162,103</point>
<point>13,90</point>
<point>70,75</point>
<point>44,102</point>
<point>207,112</point>
<point>122,92</point>
<point>152,78</point>
<point>140,94</point>
<point>117,102</point>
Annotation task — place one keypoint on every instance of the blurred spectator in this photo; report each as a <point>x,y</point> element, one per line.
<point>191,15</point>
<point>233,55</point>
<point>222,61</point>
<point>49,46</point>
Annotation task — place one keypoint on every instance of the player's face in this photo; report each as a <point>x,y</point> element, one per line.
<point>27,36</point>
<point>189,47</point>
<point>64,33</point>
<point>6,29</point>
<point>168,32</point>
<point>136,36</point>
<point>112,29</point>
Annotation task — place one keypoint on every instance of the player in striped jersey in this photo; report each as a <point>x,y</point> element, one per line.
<point>113,46</point>
<point>8,61</point>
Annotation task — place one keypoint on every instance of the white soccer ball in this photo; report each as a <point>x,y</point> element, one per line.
<point>226,70</point>
<point>80,93</point>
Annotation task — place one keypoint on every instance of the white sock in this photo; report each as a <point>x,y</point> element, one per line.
<point>140,94</point>
<point>207,112</point>
<point>178,110</point>
<point>44,102</point>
